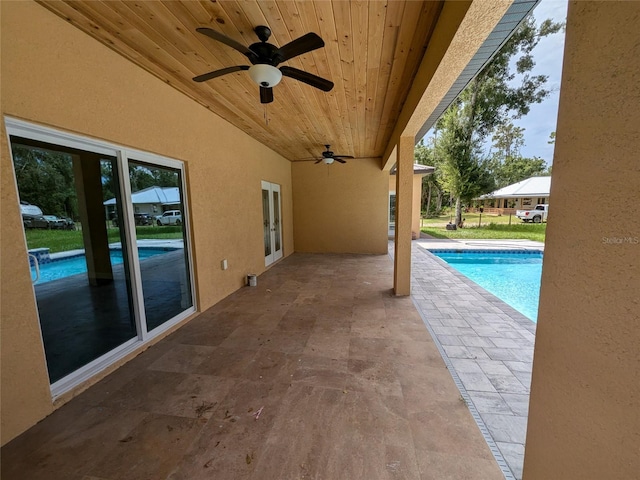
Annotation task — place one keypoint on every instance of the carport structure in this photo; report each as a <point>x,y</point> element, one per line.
<point>120,73</point>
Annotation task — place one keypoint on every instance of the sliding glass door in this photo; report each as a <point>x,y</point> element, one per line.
<point>110,268</point>
<point>164,263</point>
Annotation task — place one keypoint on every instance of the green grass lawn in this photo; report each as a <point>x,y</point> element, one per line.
<point>526,231</point>
<point>471,219</point>
<point>63,240</point>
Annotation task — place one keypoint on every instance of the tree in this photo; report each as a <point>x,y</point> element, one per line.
<point>465,174</point>
<point>507,165</point>
<point>508,139</point>
<point>142,177</point>
<point>424,155</point>
<point>493,97</point>
<point>516,169</point>
<point>45,179</point>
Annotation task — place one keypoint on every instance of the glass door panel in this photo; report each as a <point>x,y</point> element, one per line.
<point>157,197</point>
<point>266,221</point>
<point>72,217</point>
<point>392,214</point>
<point>276,227</point>
<point>276,220</point>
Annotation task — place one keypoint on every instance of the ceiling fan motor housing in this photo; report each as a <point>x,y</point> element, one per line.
<point>265,75</point>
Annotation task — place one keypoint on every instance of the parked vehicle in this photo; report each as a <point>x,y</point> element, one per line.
<point>28,209</point>
<point>170,217</point>
<point>69,224</point>
<point>143,219</point>
<point>537,215</point>
<point>34,221</point>
<point>55,222</point>
<point>32,216</point>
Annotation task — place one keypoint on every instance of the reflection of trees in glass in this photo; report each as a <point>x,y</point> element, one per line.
<point>106,172</point>
<point>142,177</point>
<point>45,179</point>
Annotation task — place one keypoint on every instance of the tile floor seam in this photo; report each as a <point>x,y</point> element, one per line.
<point>438,285</point>
<point>502,463</point>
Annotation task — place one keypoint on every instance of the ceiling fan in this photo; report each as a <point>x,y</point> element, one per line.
<point>265,59</point>
<point>329,157</point>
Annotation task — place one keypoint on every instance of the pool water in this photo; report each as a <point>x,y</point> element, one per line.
<point>77,264</point>
<point>513,277</point>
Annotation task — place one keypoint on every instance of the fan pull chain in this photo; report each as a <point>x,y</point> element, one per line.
<point>266,118</point>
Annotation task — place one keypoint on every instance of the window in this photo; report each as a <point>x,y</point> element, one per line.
<point>103,284</point>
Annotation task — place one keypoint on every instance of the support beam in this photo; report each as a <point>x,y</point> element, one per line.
<point>584,419</point>
<point>88,181</point>
<point>404,200</point>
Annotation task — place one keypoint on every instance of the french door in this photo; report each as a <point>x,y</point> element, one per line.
<point>271,222</point>
<point>106,278</point>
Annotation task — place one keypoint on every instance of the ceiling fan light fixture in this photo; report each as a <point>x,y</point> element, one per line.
<point>265,75</point>
<point>328,160</point>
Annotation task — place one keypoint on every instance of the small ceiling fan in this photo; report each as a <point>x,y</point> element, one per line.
<point>265,59</point>
<point>329,157</point>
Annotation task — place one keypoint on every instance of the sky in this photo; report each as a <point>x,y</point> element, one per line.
<point>541,120</point>
<point>542,117</point>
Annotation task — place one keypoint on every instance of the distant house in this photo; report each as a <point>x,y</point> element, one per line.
<point>152,200</point>
<point>523,195</point>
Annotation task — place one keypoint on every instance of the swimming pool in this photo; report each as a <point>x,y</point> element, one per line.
<point>77,264</point>
<point>512,276</point>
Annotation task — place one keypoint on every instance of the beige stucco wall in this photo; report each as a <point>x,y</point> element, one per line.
<point>415,204</point>
<point>340,208</point>
<point>584,417</point>
<point>55,75</point>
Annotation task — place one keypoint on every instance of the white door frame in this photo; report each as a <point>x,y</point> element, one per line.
<point>274,222</point>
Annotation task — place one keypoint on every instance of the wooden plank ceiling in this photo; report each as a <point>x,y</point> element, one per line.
<point>372,52</point>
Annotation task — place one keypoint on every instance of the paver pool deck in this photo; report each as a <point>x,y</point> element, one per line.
<point>487,345</point>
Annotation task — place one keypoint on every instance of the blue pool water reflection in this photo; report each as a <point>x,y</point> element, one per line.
<point>77,264</point>
<point>513,277</point>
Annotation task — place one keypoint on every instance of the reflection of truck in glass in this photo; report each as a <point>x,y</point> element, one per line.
<point>170,217</point>
<point>32,216</point>
<point>537,215</point>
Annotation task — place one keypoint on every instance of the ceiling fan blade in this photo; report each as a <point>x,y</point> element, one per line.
<point>218,73</point>
<point>339,160</point>
<point>308,78</point>
<point>266,95</point>
<point>342,156</point>
<point>211,33</point>
<point>304,44</point>
<point>318,161</point>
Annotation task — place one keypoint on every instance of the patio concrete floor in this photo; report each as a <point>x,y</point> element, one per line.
<point>346,379</point>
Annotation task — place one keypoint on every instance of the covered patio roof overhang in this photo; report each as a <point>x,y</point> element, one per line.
<point>396,67</point>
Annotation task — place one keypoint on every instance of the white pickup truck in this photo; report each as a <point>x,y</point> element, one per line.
<point>170,217</point>
<point>537,215</point>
